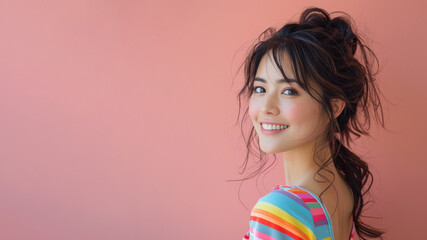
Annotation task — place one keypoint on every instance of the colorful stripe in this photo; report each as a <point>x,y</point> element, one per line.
<point>290,212</point>
<point>281,220</point>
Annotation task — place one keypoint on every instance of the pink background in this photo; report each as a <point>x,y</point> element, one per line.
<point>117,116</point>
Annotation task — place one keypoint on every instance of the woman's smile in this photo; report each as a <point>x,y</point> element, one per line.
<point>269,129</point>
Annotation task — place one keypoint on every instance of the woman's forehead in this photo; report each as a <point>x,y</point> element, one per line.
<point>268,68</point>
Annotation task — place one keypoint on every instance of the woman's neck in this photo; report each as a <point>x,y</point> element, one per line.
<point>300,167</point>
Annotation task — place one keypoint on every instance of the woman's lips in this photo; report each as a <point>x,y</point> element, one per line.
<point>272,132</point>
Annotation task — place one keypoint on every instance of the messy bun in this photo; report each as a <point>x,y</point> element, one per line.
<point>338,26</point>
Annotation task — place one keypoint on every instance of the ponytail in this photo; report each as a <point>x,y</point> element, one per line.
<point>356,173</point>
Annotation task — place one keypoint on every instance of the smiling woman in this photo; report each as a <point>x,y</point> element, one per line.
<point>307,94</point>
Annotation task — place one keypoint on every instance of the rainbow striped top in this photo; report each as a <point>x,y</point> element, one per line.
<point>290,212</point>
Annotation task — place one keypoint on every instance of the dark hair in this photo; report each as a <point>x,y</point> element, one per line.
<point>323,52</point>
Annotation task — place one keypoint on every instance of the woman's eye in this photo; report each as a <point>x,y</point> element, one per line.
<point>292,92</point>
<point>255,88</point>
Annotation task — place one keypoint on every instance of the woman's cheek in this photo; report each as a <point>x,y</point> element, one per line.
<point>294,113</point>
<point>252,109</point>
<point>302,114</point>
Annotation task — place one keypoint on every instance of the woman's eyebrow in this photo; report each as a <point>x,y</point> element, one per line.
<point>281,80</point>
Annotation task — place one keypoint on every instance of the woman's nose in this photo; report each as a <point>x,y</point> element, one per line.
<point>270,105</point>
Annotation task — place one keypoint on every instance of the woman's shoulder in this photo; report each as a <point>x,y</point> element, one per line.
<point>289,200</point>
<point>286,197</point>
<point>289,211</point>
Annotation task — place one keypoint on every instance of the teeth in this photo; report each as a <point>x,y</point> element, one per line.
<point>273,127</point>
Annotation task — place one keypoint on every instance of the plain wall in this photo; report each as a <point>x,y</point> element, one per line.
<point>117,117</point>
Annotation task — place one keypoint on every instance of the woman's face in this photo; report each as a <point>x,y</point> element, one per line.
<point>283,103</point>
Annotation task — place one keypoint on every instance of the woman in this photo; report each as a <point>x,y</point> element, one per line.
<point>307,93</point>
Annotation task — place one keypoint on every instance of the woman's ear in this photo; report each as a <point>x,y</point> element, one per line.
<point>337,106</point>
